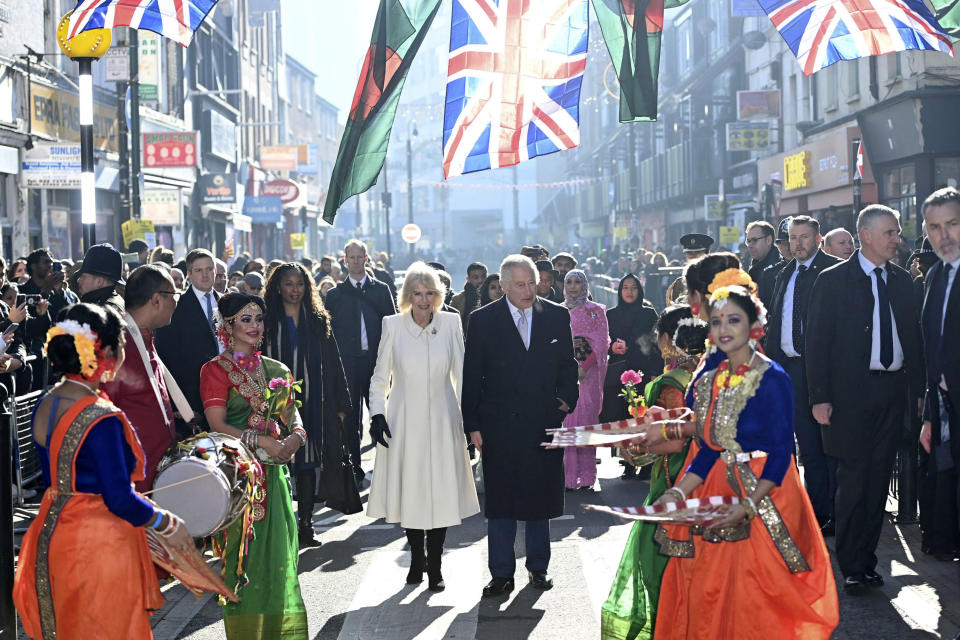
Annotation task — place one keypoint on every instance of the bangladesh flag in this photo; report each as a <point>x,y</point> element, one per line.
<point>631,30</point>
<point>397,35</point>
<point>947,13</point>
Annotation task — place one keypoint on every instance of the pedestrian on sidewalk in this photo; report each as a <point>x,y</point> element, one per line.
<point>519,379</point>
<point>422,477</point>
<point>591,342</point>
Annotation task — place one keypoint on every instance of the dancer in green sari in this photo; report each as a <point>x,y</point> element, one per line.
<point>631,608</point>
<point>251,397</point>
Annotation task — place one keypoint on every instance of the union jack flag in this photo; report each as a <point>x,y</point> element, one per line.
<point>174,19</point>
<point>513,81</point>
<point>821,32</point>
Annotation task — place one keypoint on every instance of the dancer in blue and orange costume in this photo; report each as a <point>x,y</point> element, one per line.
<point>631,607</point>
<point>744,576</point>
<point>85,571</point>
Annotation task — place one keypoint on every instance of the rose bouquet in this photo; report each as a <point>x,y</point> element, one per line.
<point>632,392</point>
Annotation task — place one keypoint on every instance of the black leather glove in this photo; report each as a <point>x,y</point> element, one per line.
<point>378,429</point>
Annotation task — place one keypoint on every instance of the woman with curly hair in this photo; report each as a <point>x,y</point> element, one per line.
<point>297,333</point>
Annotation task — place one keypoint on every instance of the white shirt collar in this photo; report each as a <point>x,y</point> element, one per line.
<point>514,311</point>
<point>810,260</point>
<point>868,266</point>
<point>361,281</point>
<point>201,295</point>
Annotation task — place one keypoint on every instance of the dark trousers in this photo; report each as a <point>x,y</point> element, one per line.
<point>358,372</point>
<point>306,479</point>
<point>501,534</point>
<point>863,473</point>
<point>819,469</point>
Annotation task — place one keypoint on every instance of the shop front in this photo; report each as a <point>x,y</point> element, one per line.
<point>817,179</point>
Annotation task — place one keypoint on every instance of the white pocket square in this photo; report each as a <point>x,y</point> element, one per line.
<point>552,341</point>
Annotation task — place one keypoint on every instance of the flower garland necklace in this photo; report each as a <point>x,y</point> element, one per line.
<point>727,380</point>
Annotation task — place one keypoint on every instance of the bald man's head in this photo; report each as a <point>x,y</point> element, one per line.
<point>838,243</point>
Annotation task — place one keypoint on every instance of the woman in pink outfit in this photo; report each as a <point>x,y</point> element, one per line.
<point>591,341</point>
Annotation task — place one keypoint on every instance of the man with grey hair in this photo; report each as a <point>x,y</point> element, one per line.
<point>940,324</point>
<point>357,306</point>
<point>862,356</point>
<point>519,379</point>
<point>839,243</point>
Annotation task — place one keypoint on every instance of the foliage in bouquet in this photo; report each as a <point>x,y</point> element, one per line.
<point>281,398</point>
<point>632,392</point>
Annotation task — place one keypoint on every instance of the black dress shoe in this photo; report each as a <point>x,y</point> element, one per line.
<point>855,584</point>
<point>873,578</point>
<point>306,538</point>
<point>828,528</point>
<point>540,580</point>
<point>498,587</point>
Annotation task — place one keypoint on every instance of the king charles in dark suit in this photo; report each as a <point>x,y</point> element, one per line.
<point>940,434</point>
<point>785,345</point>
<point>190,340</point>
<point>357,307</point>
<point>519,379</point>
<point>863,359</point>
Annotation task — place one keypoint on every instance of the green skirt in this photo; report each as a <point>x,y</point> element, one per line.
<point>631,608</point>
<point>270,606</point>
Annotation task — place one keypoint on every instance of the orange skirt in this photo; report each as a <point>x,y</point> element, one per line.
<point>102,580</point>
<point>744,589</point>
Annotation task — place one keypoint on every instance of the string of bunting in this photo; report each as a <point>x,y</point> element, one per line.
<point>500,187</point>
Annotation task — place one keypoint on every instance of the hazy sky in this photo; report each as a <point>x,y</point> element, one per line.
<point>330,37</point>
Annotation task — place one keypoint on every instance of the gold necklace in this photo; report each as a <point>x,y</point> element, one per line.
<point>85,387</point>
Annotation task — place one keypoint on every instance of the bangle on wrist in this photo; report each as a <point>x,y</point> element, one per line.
<point>157,520</point>
<point>749,506</point>
<point>170,528</point>
<point>677,491</point>
<point>663,431</point>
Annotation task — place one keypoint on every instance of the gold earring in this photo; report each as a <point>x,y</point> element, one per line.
<point>230,343</point>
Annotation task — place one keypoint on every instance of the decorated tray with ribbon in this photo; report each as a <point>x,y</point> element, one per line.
<point>620,433</point>
<point>695,511</point>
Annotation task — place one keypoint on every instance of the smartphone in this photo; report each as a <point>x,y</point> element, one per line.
<point>32,299</point>
<point>13,327</point>
<point>21,298</point>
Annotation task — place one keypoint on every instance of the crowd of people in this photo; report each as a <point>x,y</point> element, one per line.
<point>823,345</point>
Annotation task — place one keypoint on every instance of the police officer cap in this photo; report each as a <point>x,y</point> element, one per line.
<point>783,230</point>
<point>696,242</point>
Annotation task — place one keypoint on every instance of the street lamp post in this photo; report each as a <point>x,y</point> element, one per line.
<point>85,48</point>
<point>411,131</point>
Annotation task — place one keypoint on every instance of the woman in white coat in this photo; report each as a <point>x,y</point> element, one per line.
<point>422,476</point>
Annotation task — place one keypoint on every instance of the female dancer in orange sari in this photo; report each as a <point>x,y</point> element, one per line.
<point>85,571</point>
<point>746,577</point>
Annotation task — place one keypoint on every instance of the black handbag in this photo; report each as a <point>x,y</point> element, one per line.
<point>340,486</point>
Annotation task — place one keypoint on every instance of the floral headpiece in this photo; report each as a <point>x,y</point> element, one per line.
<point>731,278</point>
<point>85,341</point>
<point>687,322</point>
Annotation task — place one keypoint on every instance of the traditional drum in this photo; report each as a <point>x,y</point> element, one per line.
<point>208,482</point>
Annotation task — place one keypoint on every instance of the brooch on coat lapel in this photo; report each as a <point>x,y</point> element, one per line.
<point>434,332</point>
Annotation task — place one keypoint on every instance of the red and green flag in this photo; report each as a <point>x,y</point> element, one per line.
<point>947,13</point>
<point>397,35</point>
<point>631,30</point>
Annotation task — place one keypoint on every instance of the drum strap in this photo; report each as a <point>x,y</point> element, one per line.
<point>173,389</point>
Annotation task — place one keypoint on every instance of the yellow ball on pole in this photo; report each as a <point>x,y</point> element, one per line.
<point>86,44</point>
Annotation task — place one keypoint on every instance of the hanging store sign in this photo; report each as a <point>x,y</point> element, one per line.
<point>56,114</point>
<point>217,188</point>
<point>281,158</point>
<point>308,159</point>
<point>298,241</point>
<point>161,206</point>
<point>796,171</point>
<point>51,166</point>
<point>263,209</point>
<point>170,149</point>
<point>286,190</point>
<point>747,136</point>
<point>116,65</point>
<point>758,104</point>
<point>149,66</point>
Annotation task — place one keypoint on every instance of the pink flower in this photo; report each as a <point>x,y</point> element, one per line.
<point>630,377</point>
<point>276,383</point>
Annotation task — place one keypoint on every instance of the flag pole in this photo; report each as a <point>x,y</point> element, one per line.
<point>85,47</point>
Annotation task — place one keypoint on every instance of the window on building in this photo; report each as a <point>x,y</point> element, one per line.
<point>853,79</point>
<point>947,173</point>
<point>900,193</point>
<point>827,88</point>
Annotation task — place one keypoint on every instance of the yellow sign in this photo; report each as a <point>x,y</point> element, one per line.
<point>136,230</point>
<point>57,114</point>
<point>729,235</point>
<point>796,171</point>
<point>620,233</point>
<point>298,241</point>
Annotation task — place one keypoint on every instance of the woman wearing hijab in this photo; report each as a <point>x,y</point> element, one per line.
<point>633,346</point>
<point>591,340</point>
